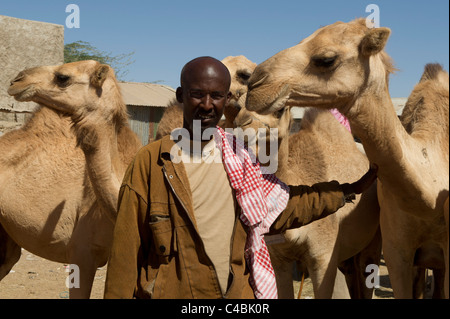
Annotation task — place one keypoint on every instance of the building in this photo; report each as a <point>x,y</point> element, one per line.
<point>24,44</point>
<point>146,103</point>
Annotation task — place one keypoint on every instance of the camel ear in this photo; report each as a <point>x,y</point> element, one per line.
<point>374,41</point>
<point>99,75</point>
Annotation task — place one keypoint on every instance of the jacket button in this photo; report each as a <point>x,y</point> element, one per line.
<point>162,248</point>
<point>170,176</point>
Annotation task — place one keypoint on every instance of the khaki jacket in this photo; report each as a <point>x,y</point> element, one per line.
<point>157,251</point>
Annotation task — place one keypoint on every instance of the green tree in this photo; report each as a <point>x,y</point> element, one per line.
<point>82,50</point>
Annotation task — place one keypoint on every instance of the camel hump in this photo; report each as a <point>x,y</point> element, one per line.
<point>431,72</point>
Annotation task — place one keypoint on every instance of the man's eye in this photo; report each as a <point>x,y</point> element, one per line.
<point>196,95</point>
<point>217,96</point>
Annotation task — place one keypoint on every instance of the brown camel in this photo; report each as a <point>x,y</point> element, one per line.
<point>343,65</point>
<point>350,239</point>
<point>240,70</point>
<point>60,173</point>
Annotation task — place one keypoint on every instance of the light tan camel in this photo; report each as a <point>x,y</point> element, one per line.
<point>446,255</point>
<point>343,65</point>
<point>322,150</point>
<point>240,70</point>
<point>60,174</point>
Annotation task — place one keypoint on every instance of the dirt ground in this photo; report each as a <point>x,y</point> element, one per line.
<point>33,277</point>
<point>36,278</point>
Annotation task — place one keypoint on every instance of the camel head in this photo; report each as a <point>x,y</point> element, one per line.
<point>328,69</point>
<point>264,133</point>
<point>240,69</point>
<point>76,88</point>
<point>280,120</point>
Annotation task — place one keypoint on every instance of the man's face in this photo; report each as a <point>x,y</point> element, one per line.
<point>204,95</point>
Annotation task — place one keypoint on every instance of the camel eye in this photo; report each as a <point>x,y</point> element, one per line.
<point>62,79</point>
<point>323,62</point>
<point>243,76</point>
<point>279,113</point>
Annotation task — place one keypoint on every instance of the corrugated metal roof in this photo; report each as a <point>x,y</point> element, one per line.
<point>146,94</point>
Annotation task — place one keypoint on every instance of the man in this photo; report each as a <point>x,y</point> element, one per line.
<point>193,228</point>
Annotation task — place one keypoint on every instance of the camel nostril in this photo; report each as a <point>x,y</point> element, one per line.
<point>18,78</point>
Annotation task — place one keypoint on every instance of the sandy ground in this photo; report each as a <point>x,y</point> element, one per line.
<point>383,292</point>
<point>33,277</point>
<point>37,278</point>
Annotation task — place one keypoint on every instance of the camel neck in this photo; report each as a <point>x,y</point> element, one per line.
<point>283,155</point>
<point>386,143</point>
<point>373,119</point>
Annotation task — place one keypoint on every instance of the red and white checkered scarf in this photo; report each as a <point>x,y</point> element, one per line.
<point>341,118</point>
<point>262,198</point>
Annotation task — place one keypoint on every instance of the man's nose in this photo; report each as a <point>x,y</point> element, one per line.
<point>207,102</point>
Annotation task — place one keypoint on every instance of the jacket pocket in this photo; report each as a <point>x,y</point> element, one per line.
<point>163,235</point>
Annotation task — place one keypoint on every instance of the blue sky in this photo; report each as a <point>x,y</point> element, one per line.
<point>166,34</point>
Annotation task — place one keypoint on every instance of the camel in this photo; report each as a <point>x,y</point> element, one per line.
<point>60,173</point>
<point>240,70</point>
<point>344,65</point>
<point>446,256</point>
<point>350,239</point>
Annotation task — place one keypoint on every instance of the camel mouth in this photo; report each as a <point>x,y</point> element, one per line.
<point>305,99</point>
<point>21,94</point>
<point>235,105</point>
<point>278,103</point>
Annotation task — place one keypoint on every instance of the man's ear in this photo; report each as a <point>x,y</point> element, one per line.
<point>229,94</point>
<point>99,75</point>
<point>179,94</point>
<point>374,41</point>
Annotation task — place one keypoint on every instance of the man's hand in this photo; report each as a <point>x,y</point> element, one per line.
<point>360,185</point>
<point>364,182</point>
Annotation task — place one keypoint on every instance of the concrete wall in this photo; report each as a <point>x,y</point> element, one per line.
<point>24,44</point>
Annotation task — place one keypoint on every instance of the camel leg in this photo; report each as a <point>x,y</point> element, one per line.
<point>284,278</point>
<point>9,253</point>
<point>425,290</point>
<point>83,268</point>
<point>355,268</point>
<point>401,273</point>
<point>439,284</point>
<point>324,291</point>
<point>446,255</point>
<point>419,282</point>
<point>87,256</point>
<point>323,279</point>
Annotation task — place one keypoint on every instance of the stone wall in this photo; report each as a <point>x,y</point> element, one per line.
<point>24,44</point>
